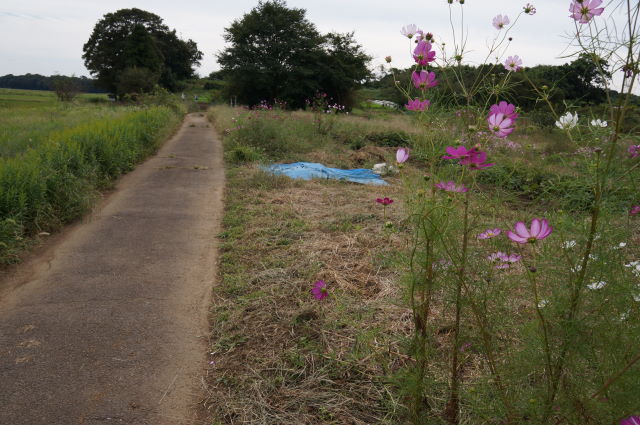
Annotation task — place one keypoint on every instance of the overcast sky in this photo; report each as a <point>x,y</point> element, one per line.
<point>46,36</point>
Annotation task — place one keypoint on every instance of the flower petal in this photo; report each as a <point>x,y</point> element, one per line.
<point>535,227</point>
<point>516,238</point>
<point>521,230</point>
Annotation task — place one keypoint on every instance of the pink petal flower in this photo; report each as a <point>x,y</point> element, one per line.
<point>584,10</point>
<point>489,233</point>
<point>423,80</point>
<point>384,201</point>
<point>500,21</point>
<point>457,153</point>
<point>319,290</point>
<point>635,210</point>
<point>631,420</point>
<point>402,155</point>
<point>451,187</point>
<point>500,125</point>
<point>508,109</point>
<point>418,105</point>
<point>423,53</point>
<point>513,63</point>
<point>540,229</point>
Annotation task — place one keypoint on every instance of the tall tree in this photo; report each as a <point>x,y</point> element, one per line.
<point>134,38</point>
<point>276,53</point>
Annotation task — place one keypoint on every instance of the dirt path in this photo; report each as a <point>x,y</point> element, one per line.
<point>108,326</point>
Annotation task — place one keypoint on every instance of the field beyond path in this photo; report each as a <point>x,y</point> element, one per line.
<point>109,324</point>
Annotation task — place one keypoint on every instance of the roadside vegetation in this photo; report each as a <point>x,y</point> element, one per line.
<point>55,159</point>
<point>280,356</point>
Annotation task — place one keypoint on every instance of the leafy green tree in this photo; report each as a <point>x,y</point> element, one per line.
<point>276,53</point>
<point>134,38</point>
<point>135,81</point>
<point>65,88</point>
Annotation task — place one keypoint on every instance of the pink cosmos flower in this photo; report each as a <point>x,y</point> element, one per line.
<point>319,290</point>
<point>500,21</point>
<point>402,155</point>
<point>423,53</point>
<point>505,108</point>
<point>631,420</point>
<point>496,256</point>
<point>423,80</point>
<point>418,105</point>
<point>451,187</point>
<point>500,125</point>
<point>384,201</point>
<point>505,259</point>
<point>635,210</point>
<point>634,151</point>
<point>477,160</point>
<point>540,229</point>
<point>511,258</point>
<point>584,10</point>
<point>513,63</point>
<point>489,233</point>
<point>458,153</point>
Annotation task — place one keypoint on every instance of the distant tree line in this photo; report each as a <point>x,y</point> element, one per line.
<point>577,82</point>
<point>42,82</point>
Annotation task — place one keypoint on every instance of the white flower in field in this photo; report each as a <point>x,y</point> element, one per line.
<point>409,30</point>
<point>599,123</point>
<point>543,303</point>
<point>593,257</point>
<point>636,298</point>
<point>568,244</point>
<point>597,285</point>
<point>624,316</point>
<point>635,267</point>
<point>576,268</point>
<point>620,245</point>
<point>567,121</point>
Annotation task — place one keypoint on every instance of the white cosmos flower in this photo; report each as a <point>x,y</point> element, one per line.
<point>542,303</point>
<point>409,30</point>
<point>597,285</point>
<point>599,123</point>
<point>567,121</point>
<point>569,244</point>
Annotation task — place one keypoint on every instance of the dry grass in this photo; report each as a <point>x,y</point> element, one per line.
<point>278,355</point>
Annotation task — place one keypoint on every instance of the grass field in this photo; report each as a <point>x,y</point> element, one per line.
<point>279,356</point>
<point>56,157</point>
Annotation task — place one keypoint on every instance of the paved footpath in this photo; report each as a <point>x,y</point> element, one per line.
<point>108,324</point>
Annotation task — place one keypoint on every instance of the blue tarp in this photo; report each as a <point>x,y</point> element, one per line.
<point>309,170</point>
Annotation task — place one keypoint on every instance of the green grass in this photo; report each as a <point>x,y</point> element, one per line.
<point>55,158</point>
<point>36,98</point>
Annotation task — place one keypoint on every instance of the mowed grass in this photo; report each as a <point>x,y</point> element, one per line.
<point>55,158</point>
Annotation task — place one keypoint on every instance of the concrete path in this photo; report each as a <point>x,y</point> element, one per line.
<point>108,325</point>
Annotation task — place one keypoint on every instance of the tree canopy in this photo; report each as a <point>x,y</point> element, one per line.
<point>276,53</point>
<point>137,39</point>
